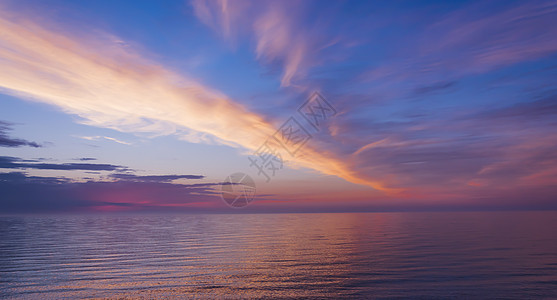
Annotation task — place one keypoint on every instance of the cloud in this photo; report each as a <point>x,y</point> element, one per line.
<point>432,151</point>
<point>28,194</point>
<point>7,162</point>
<point>277,41</point>
<point>86,158</point>
<point>221,15</point>
<point>98,137</point>
<point>22,193</point>
<point>19,177</point>
<point>492,152</point>
<point>154,178</point>
<point>472,39</point>
<point>6,141</point>
<point>109,85</point>
<point>299,37</point>
<point>476,41</point>
<point>273,24</point>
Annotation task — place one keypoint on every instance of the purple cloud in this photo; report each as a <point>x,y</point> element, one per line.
<point>6,141</point>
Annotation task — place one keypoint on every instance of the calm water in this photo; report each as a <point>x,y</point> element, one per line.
<point>430,255</point>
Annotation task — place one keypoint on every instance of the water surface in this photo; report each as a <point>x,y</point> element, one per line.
<point>372,255</point>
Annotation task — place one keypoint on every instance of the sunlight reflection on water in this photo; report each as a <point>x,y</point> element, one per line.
<point>502,254</point>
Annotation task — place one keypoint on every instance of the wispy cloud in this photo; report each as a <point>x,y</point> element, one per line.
<point>98,137</point>
<point>273,24</point>
<point>490,153</point>
<point>471,40</point>
<point>222,15</point>
<point>478,41</point>
<point>86,158</point>
<point>278,39</point>
<point>154,178</point>
<point>7,141</point>
<point>7,162</point>
<point>109,85</point>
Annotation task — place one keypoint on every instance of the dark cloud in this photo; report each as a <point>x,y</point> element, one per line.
<point>7,162</point>
<point>154,178</point>
<point>6,141</point>
<point>28,194</point>
<point>86,158</point>
<point>19,177</point>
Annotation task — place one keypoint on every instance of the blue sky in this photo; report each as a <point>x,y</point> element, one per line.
<point>440,104</point>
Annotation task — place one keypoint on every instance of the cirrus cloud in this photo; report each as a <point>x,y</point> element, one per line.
<point>108,85</point>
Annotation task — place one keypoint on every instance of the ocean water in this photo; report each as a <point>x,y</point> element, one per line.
<point>444,255</point>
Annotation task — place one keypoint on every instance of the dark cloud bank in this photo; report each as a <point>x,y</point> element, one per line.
<point>21,193</point>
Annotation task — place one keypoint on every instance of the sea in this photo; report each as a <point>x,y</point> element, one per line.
<point>410,255</point>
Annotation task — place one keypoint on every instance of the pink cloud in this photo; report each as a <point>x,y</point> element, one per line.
<point>274,25</point>
<point>111,86</point>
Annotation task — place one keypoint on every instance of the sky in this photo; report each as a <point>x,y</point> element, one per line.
<point>149,106</point>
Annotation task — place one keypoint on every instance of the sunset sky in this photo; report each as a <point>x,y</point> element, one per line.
<point>147,106</point>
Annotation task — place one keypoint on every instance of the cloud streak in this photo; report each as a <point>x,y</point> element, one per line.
<point>154,178</point>
<point>110,86</point>
<point>473,39</point>
<point>7,162</point>
<point>96,138</point>
<point>274,26</point>
<point>6,141</point>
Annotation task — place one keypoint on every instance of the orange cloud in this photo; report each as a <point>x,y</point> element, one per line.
<point>108,85</point>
